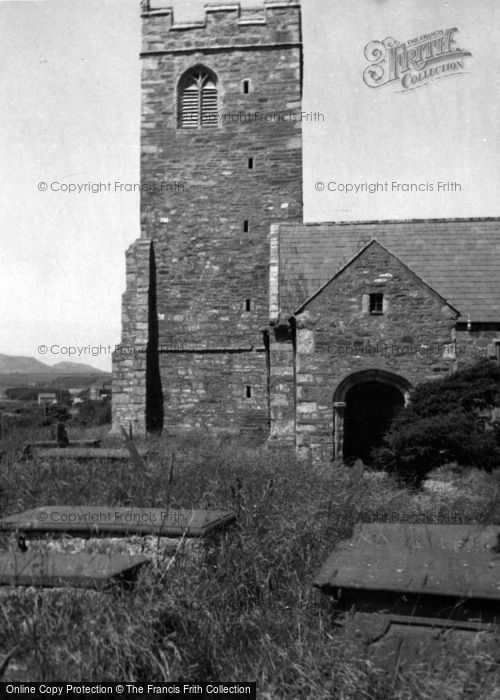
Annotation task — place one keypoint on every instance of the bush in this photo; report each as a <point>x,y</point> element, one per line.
<point>94,413</point>
<point>447,420</point>
<point>20,393</point>
<point>28,416</point>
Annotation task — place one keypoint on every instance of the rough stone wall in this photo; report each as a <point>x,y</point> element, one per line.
<point>482,341</point>
<point>199,386</point>
<point>282,386</point>
<point>337,336</point>
<point>129,360</point>
<point>197,192</point>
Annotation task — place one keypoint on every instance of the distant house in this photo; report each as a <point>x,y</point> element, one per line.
<point>105,392</point>
<point>98,391</point>
<point>45,399</point>
<point>75,395</point>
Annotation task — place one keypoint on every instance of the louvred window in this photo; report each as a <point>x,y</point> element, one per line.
<point>198,100</point>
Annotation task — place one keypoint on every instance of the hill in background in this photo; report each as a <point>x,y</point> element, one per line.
<point>26,372</point>
<point>12,364</point>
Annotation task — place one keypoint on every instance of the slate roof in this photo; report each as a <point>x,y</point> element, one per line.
<point>459,259</point>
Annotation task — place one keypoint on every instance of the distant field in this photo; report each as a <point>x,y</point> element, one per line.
<point>54,381</point>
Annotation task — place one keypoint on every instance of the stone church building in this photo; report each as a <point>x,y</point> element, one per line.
<point>237,316</point>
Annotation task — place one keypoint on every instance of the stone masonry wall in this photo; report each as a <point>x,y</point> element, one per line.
<point>198,386</point>
<point>482,341</point>
<point>197,192</point>
<point>282,387</point>
<point>337,336</point>
<point>129,360</point>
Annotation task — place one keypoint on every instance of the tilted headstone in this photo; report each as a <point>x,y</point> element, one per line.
<point>51,569</point>
<point>90,520</point>
<point>135,455</point>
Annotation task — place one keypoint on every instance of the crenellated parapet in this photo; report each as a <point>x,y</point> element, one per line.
<point>224,26</point>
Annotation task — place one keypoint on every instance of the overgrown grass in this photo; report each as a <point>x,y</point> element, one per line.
<point>247,610</point>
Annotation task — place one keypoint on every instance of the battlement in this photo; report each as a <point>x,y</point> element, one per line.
<point>224,26</point>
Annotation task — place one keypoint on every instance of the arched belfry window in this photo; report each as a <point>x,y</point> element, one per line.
<point>198,99</point>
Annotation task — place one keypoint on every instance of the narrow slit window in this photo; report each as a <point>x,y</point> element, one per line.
<point>248,392</point>
<point>245,226</point>
<point>376,304</point>
<point>246,87</point>
<point>248,304</point>
<point>250,163</point>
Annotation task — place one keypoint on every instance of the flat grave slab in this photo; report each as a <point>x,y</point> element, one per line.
<point>30,447</point>
<point>158,549</point>
<point>397,640</point>
<point>413,588</point>
<point>466,538</point>
<point>84,453</point>
<point>91,520</point>
<point>77,570</point>
<point>399,569</point>
<point>455,560</point>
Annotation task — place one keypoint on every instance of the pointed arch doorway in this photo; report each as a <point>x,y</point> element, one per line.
<point>364,405</point>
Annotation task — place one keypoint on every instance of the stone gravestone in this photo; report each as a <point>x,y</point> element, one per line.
<point>30,447</point>
<point>83,453</point>
<point>116,521</point>
<point>77,570</point>
<point>412,589</point>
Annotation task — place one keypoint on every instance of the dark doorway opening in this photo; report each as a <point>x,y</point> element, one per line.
<point>370,408</point>
<point>154,392</point>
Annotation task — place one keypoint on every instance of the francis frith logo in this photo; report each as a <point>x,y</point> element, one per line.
<point>416,62</point>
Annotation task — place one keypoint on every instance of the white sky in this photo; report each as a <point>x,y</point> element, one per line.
<point>70,113</point>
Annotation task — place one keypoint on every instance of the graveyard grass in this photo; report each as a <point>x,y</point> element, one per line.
<point>244,609</point>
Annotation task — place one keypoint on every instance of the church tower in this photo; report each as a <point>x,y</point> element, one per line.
<point>221,160</point>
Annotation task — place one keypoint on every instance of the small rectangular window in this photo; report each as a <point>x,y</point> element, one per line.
<point>250,163</point>
<point>248,304</point>
<point>246,87</point>
<point>248,392</point>
<point>376,303</point>
<point>245,226</point>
